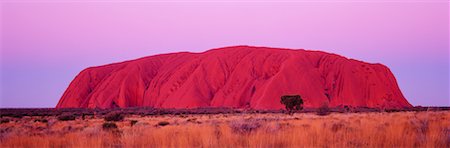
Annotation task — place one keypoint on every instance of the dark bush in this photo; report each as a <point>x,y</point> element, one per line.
<point>292,103</point>
<point>133,122</point>
<point>41,120</point>
<point>347,109</point>
<point>191,120</point>
<point>4,120</point>
<point>66,117</point>
<point>109,126</point>
<point>163,123</point>
<point>114,116</point>
<point>17,115</point>
<point>323,110</point>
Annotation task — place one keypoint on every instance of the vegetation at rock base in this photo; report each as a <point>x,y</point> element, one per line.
<point>114,116</point>
<point>66,117</point>
<point>292,103</point>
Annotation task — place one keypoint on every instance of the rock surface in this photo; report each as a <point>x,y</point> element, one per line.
<point>237,77</point>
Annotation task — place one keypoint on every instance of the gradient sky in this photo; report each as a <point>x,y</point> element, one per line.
<point>44,44</point>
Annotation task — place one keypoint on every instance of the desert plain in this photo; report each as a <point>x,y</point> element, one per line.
<point>242,129</point>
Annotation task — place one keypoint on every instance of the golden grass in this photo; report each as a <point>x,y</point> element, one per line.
<point>402,129</point>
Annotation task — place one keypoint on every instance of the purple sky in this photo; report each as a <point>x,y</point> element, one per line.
<point>45,44</point>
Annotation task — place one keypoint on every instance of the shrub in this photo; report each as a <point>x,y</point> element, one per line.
<point>66,117</point>
<point>323,110</point>
<point>163,123</point>
<point>346,109</point>
<point>133,122</point>
<point>41,120</point>
<point>292,103</point>
<point>109,126</point>
<point>17,115</point>
<point>191,120</point>
<point>114,116</point>
<point>4,120</point>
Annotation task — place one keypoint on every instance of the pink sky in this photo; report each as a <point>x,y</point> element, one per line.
<point>44,44</point>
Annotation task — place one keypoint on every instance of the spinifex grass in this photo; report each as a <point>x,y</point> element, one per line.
<point>401,129</point>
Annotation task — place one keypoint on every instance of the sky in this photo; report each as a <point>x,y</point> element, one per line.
<point>45,44</point>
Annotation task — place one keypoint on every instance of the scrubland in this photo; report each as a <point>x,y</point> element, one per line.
<point>374,129</point>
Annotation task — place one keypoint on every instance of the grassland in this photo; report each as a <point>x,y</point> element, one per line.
<point>369,129</point>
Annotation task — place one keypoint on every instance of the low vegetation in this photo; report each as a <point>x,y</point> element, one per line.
<point>323,110</point>
<point>114,116</point>
<point>133,122</point>
<point>5,120</point>
<point>109,126</point>
<point>66,117</point>
<point>163,123</point>
<point>367,129</point>
<point>245,126</point>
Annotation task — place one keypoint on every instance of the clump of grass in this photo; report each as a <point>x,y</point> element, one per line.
<point>114,116</point>
<point>191,120</point>
<point>163,123</point>
<point>245,126</point>
<point>4,120</point>
<point>133,122</point>
<point>41,120</point>
<point>336,127</point>
<point>66,117</point>
<point>17,115</point>
<point>109,126</point>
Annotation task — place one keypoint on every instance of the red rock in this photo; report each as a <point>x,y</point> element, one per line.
<point>238,77</point>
